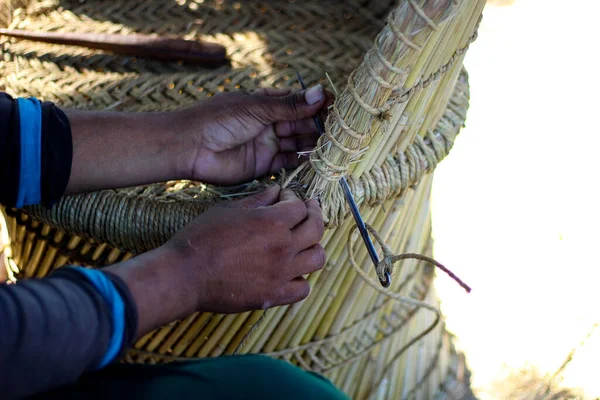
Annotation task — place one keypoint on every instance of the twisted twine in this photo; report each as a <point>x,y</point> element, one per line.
<point>386,264</point>
<point>330,171</point>
<point>399,172</point>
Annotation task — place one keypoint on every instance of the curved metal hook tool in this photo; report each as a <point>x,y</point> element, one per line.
<point>360,223</point>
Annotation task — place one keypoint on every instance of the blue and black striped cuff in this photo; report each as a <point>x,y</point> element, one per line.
<point>36,152</point>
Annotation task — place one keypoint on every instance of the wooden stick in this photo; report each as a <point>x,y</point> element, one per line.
<point>157,47</point>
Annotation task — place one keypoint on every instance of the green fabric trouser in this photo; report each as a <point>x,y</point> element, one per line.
<point>244,377</point>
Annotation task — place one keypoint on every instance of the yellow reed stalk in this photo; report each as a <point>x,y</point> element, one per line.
<point>446,45</point>
<point>345,302</point>
<point>250,324</point>
<point>417,225</point>
<point>349,279</point>
<point>215,336</point>
<point>254,342</point>
<point>159,336</point>
<point>293,311</point>
<point>167,346</point>
<point>203,335</point>
<point>398,109</point>
<point>264,331</point>
<point>327,278</point>
<point>228,334</point>
<point>302,325</point>
<point>143,340</point>
<point>364,88</point>
<point>307,333</point>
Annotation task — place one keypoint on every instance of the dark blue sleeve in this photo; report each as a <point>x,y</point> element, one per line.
<point>53,330</point>
<point>57,152</point>
<point>10,150</point>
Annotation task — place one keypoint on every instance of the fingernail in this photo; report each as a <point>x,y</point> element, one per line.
<point>314,95</point>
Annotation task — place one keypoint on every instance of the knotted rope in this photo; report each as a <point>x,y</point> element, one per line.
<point>386,265</point>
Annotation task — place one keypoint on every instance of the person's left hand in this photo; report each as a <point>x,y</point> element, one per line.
<point>236,137</point>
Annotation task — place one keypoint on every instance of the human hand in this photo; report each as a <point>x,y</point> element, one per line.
<point>250,254</point>
<point>236,137</point>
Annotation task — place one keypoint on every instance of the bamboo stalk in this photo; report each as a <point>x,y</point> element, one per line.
<point>225,339</point>
<point>342,315</point>
<point>192,333</point>
<point>320,289</point>
<point>204,335</point>
<point>250,324</point>
<point>166,346</point>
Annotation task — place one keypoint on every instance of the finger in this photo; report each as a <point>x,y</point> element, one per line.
<point>290,208</point>
<point>309,260</point>
<point>298,143</point>
<point>295,291</point>
<point>272,92</point>
<point>329,99</point>
<point>310,231</point>
<point>295,106</point>
<point>325,110</point>
<point>285,161</point>
<point>294,128</point>
<point>263,199</point>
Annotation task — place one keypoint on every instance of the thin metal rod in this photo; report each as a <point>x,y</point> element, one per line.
<point>360,223</point>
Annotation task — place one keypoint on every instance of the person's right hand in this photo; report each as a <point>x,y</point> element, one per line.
<point>252,253</point>
<point>238,256</point>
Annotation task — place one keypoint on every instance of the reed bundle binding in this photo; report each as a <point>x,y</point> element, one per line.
<point>404,104</point>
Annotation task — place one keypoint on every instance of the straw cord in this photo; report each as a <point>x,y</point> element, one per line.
<point>332,338</point>
<point>424,83</point>
<point>381,112</point>
<point>400,171</point>
<point>399,34</point>
<point>360,352</point>
<point>333,172</point>
<point>386,265</point>
<point>363,102</point>
<point>309,348</point>
<point>377,112</point>
<point>394,296</point>
<point>422,14</point>
<point>347,129</point>
<point>389,259</point>
<point>418,384</point>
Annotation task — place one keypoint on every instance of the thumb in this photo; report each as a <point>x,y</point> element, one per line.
<point>262,199</point>
<point>298,105</point>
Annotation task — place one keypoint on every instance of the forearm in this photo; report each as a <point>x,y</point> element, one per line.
<point>113,150</point>
<point>59,327</point>
<point>53,330</point>
<point>160,287</point>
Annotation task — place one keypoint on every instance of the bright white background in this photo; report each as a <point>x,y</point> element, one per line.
<point>516,204</point>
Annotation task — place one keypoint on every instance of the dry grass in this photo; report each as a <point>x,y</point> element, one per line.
<point>528,383</point>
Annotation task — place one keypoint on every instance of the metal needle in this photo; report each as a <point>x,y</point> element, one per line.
<point>360,223</point>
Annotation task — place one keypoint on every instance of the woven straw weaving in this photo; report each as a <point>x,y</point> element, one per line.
<point>403,99</point>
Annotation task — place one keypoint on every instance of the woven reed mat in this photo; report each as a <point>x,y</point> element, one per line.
<point>405,108</point>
